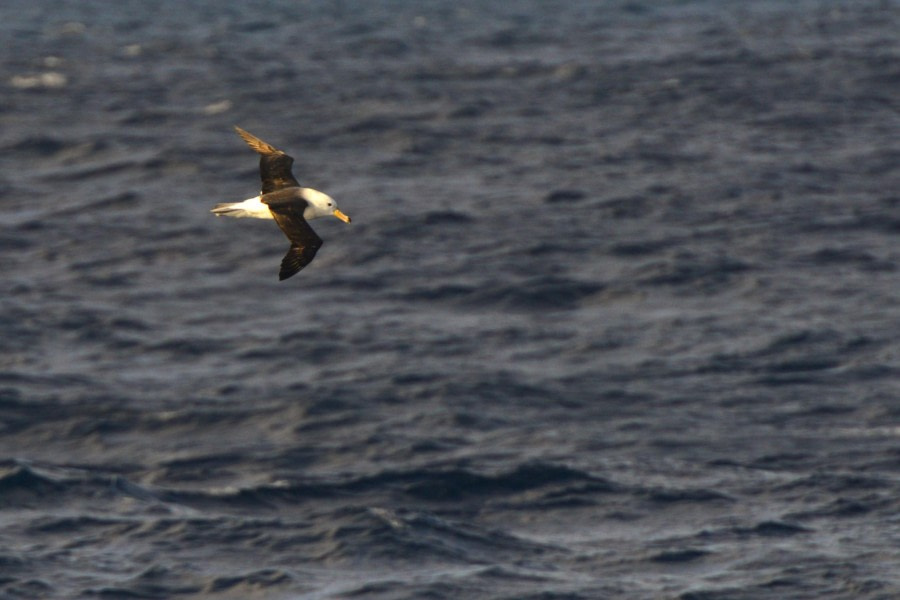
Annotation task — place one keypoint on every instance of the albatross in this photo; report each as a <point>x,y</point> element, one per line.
<point>282,199</point>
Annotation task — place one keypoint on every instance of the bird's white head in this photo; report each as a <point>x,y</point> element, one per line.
<point>321,205</point>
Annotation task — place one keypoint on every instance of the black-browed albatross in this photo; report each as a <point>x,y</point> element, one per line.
<point>282,199</point>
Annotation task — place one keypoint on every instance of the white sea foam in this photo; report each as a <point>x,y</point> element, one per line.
<point>47,80</point>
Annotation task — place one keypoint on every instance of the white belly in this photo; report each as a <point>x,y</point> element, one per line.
<point>251,207</point>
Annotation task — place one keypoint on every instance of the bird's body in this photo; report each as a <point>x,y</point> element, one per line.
<point>251,207</point>
<point>282,199</point>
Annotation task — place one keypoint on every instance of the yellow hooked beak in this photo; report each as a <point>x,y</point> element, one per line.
<point>341,216</point>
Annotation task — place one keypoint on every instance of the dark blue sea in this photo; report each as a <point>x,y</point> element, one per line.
<point>617,316</point>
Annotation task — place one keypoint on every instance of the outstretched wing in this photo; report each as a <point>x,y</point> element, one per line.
<point>304,241</point>
<point>274,165</point>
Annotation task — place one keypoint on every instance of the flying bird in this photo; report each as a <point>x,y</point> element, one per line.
<point>281,198</point>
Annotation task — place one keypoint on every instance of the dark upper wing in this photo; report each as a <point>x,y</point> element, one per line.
<point>304,241</point>
<point>274,165</point>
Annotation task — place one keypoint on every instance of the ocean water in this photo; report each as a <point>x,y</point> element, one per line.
<point>617,315</point>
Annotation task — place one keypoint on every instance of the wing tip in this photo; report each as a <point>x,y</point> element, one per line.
<point>296,259</point>
<point>288,271</point>
<point>256,143</point>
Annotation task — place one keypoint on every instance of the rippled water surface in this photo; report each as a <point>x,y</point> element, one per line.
<point>616,316</point>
